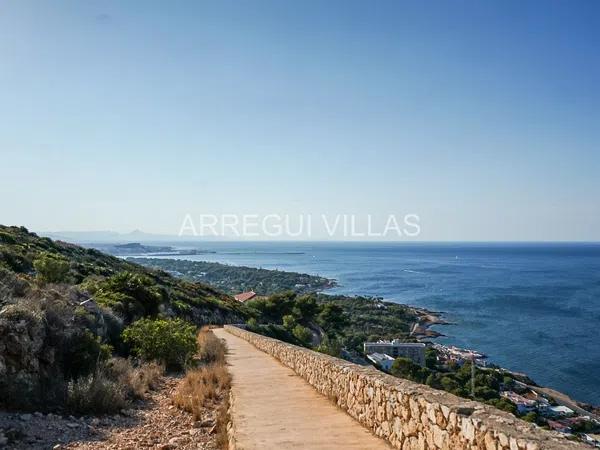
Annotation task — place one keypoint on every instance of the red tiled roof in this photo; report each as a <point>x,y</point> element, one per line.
<point>245,296</point>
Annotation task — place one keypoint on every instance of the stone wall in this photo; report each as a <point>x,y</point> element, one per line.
<point>408,415</point>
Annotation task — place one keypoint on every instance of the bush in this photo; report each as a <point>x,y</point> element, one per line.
<point>96,394</point>
<point>14,261</point>
<point>51,268</point>
<point>289,322</point>
<point>210,347</point>
<point>130,294</point>
<point>202,387</point>
<point>172,342</point>
<point>136,380</point>
<point>82,352</point>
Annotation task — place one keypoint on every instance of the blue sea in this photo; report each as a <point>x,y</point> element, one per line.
<point>532,308</point>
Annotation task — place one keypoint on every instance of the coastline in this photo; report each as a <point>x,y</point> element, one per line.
<point>426,319</point>
<point>421,330</point>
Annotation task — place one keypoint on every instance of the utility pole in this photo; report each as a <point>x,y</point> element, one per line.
<point>472,375</point>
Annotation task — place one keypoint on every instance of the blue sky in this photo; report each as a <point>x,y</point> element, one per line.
<point>481,117</point>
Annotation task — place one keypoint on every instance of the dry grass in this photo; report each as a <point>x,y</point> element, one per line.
<point>206,389</point>
<point>137,380</point>
<point>223,419</point>
<point>208,385</point>
<point>96,393</point>
<point>202,388</point>
<point>210,348</point>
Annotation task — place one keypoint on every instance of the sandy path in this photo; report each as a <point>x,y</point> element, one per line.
<point>276,409</point>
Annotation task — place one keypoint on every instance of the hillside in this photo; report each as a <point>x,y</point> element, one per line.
<point>63,306</point>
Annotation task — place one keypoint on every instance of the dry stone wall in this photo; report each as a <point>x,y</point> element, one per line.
<point>408,415</point>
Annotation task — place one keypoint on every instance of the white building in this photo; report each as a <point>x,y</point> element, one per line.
<point>558,411</point>
<point>382,360</point>
<point>414,351</point>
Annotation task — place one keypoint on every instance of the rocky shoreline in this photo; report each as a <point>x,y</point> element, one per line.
<point>426,319</point>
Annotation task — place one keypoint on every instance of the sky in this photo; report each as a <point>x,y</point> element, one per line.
<point>482,118</point>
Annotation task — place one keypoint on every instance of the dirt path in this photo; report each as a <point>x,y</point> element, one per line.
<point>160,426</point>
<point>153,424</point>
<point>276,409</point>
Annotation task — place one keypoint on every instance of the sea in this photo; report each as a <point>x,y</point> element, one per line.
<point>530,307</point>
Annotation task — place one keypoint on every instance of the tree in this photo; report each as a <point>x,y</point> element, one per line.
<point>303,334</point>
<point>276,306</point>
<point>450,384</point>
<point>430,358</point>
<point>171,341</point>
<point>405,368</point>
<point>330,346</point>
<point>305,308</point>
<point>289,322</point>
<point>331,318</point>
<point>51,268</point>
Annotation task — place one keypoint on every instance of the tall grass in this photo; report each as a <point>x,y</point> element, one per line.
<point>208,385</point>
<point>210,347</point>
<point>137,380</point>
<point>112,386</point>
<point>202,388</point>
<point>96,393</point>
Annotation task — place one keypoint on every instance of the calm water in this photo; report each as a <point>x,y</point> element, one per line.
<point>533,308</point>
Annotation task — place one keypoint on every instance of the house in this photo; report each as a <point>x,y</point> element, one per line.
<point>524,405</point>
<point>559,411</point>
<point>414,351</point>
<point>382,360</point>
<point>245,296</point>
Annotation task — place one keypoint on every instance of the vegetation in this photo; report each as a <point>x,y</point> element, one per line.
<point>329,324</point>
<point>64,309</point>
<point>112,387</point>
<point>96,394</point>
<point>207,386</point>
<point>235,279</point>
<point>210,348</point>
<point>456,379</point>
<point>170,341</point>
<point>51,268</point>
<point>202,387</point>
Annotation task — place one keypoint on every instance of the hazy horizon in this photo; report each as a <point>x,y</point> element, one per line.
<point>482,119</point>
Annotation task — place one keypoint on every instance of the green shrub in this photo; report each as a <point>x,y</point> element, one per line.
<point>97,394</point>
<point>252,324</point>
<point>14,261</point>
<point>51,268</point>
<point>171,341</point>
<point>132,295</point>
<point>82,353</point>
<point>303,334</point>
<point>6,238</point>
<point>289,322</point>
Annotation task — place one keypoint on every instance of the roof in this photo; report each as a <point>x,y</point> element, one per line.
<point>562,409</point>
<point>397,343</point>
<point>379,357</point>
<point>245,296</point>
